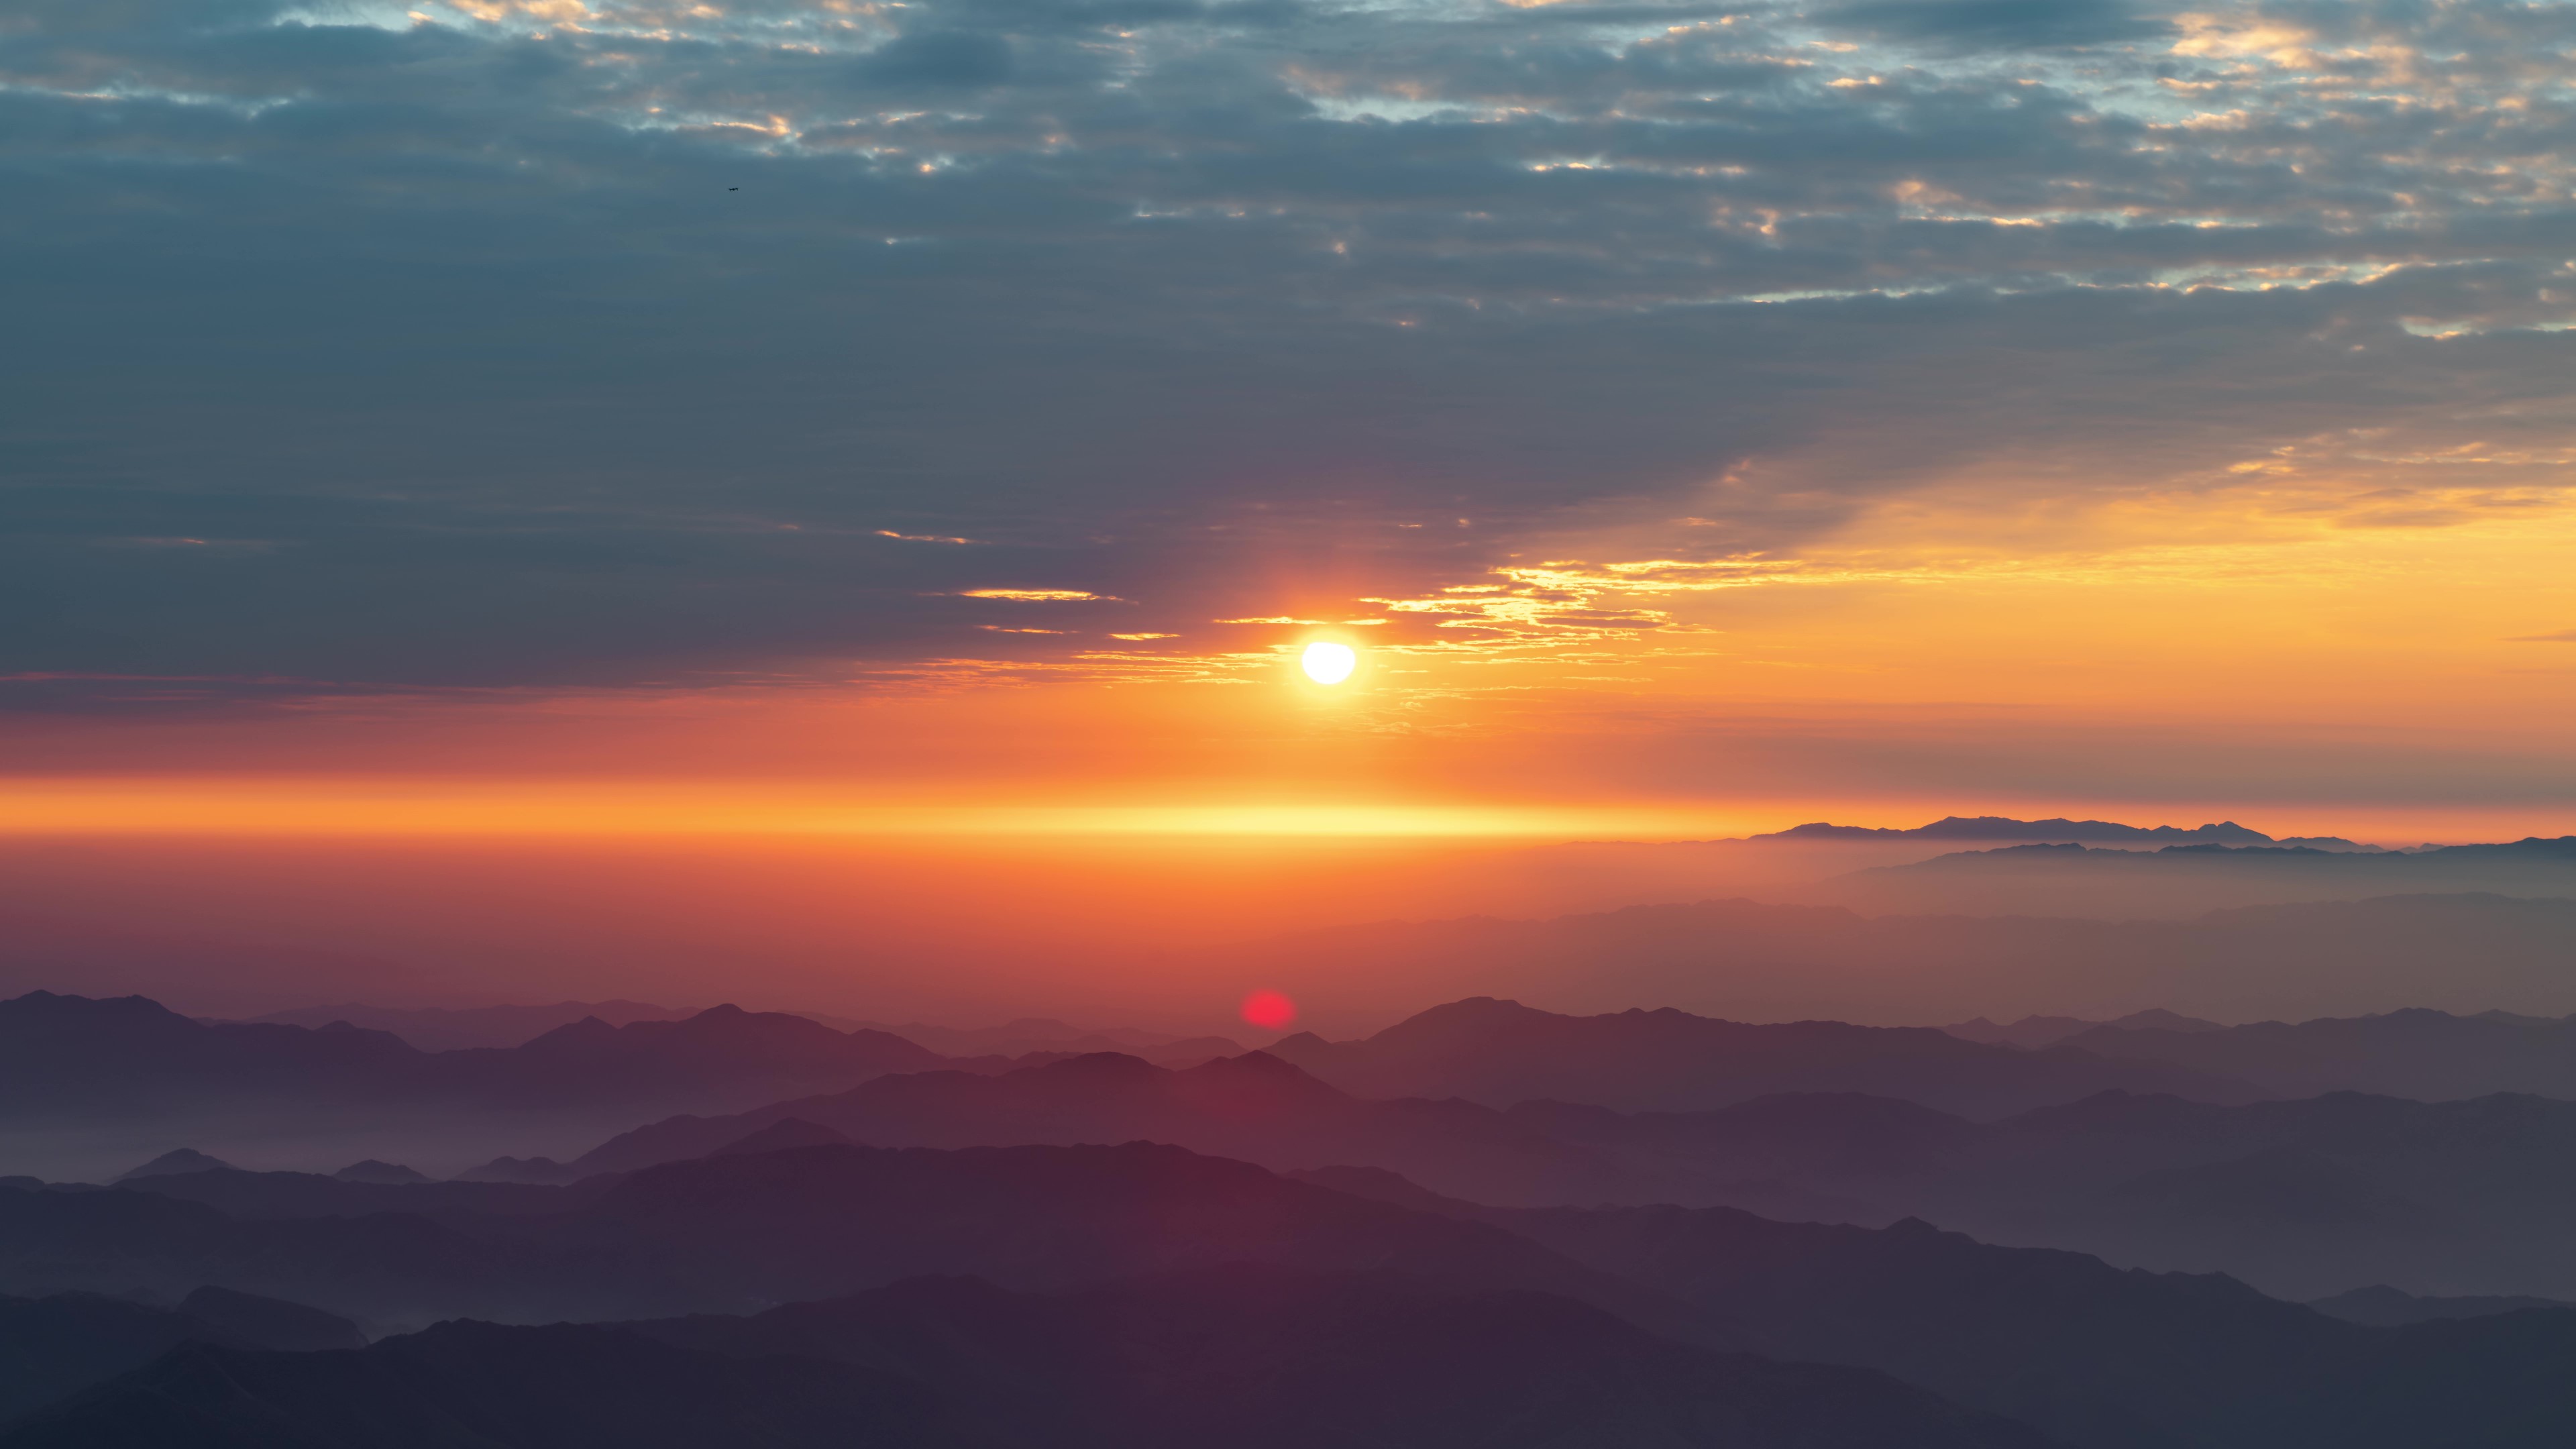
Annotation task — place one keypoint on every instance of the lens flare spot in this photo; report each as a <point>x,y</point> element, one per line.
<point>1329,663</point>
<point>1269,1010</point>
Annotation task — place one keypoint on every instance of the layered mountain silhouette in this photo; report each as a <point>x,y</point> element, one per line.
<point>564,1386</point>
<point>1501,1052</point>
<point>1046,1039</point>
<point>2304,1197</point>
<point>241,1194</point>
<point>1255,1107</point>
<point>736,1230</point>
<point>2427,1055</point>
<point>2386,1307</point>
<point>440,1029</point>
<point>73,1057</point>
<point>1261,1355</point>
<point>1265,1358</point>
<point>53,1345</point>
<point>2034,1033</point>
<point>2087,1354</point>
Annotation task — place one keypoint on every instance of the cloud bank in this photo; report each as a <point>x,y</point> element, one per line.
<point>551,344</point>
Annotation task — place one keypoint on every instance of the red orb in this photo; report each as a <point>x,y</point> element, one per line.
<point>1269,1010</point>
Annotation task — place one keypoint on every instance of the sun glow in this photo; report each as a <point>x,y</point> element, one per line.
<point>1326,662</point>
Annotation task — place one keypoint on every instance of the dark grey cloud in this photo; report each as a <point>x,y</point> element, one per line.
<point>939,58</point>
<point>606,345</point>
<point>1999,24</point>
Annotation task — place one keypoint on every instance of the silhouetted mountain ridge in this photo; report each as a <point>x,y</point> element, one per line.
<point>1255,1108</point>
<point>73,1057</point>
<point>1247,1356</point>
<point>2419,1053</point>
<point>51,1346</point>
<point>1501,1052</point>
<point>1998,827</point>
<point>2099,1357</point>
<point>2304,1197</point>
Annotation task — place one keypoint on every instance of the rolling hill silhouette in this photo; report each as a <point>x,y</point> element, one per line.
<point>1254,1107</point>
<point>2426,1055</point>
<point>70,1057</point>
<point>1501,1052</point>
<point>1259,1357</point>
<point>50,1346</point>
<point>2091,1355</point>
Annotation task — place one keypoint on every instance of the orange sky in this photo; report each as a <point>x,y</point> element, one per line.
<point>1699,425</point>
<point>2384,682</point>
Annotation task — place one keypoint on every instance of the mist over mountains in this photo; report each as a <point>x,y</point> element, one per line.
<point>1751,961</point>
<point>2175,1210</point>
<point>2303,1197</point>
<point>2084,1353</point>
<point>2187,879</point>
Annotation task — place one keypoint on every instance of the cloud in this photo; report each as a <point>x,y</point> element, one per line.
<point>939,58</point>
<point>1998,24</point>
<point>2563,636</point>
<point>641,343</point>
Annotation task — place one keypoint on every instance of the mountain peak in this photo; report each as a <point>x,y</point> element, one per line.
<point>179,1160</point>
<point>372,1170</point>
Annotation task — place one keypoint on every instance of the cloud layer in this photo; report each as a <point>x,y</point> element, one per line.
<point>542,343</point>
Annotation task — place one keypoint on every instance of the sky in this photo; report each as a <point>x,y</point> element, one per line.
<point>543,417</point>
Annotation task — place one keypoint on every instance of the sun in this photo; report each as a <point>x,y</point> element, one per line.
<point>1329,663</point>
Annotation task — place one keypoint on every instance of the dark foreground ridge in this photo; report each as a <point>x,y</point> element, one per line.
<point>1265,1358</point>
<point>2087,1354</point>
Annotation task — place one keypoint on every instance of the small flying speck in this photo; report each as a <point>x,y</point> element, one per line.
<point>733,188</point>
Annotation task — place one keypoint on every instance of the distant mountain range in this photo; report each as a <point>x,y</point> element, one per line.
<point>447,1029</point>
<point>2306,1197</point>
<point>440,1029</point>
<point>1501,1052</point>
<point>2426,1055</point>
<point>1259,1357</point>
<point>2303,1198</point>
<point>2060,829</point>
<point>1045,1038</point>
<point>1381,1303</point>
<point>2036,1033</point>
<point>1422,1097</point>
<point>71,1057</point>
<point>1256,1108</point>
<point>2384,1307</point>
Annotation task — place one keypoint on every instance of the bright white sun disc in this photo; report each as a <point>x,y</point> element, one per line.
<point>1329,663</point>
